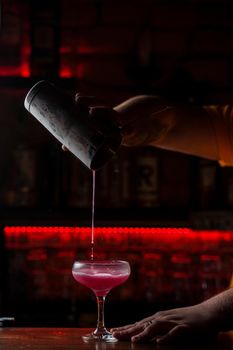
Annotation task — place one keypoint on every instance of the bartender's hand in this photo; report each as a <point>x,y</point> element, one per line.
<point>142,119</point>
<point>177,325</point>
<point>99,113</point>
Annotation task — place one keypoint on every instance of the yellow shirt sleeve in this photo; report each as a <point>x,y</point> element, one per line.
<point>223,124</point>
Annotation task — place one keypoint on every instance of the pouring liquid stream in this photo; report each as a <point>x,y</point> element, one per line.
<point>93,216</point>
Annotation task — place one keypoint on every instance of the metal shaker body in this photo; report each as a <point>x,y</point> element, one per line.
<point>58,113</point>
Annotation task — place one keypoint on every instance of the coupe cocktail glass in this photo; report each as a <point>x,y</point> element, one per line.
<point>101,276</point>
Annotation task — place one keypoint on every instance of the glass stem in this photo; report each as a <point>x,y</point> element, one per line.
<point>100,322</point>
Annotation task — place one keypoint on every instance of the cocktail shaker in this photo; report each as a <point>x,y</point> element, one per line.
<point>92,143</point>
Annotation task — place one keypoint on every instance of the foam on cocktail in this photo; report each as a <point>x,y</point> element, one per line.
<point>100,282</point>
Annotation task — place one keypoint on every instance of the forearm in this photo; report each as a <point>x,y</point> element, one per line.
<point>144,119</point>
<point>149,120</point>
<point>193,133</point>
<point>220,309</point>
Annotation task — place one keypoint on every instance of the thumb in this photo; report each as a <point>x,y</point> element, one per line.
<point>172,336</point>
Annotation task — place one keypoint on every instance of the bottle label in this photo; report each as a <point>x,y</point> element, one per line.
<point>147,181</point>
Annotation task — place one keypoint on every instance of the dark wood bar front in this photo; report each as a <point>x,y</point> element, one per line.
<point>71,338</point>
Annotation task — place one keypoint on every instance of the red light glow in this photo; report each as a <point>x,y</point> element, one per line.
<point>25,70</point>
<point>65,72</point>
<point>10,71</point>
<point>127,237</point>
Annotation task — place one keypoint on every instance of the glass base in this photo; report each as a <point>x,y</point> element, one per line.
<point>101,336</point>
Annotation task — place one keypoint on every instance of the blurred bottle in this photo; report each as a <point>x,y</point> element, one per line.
<point>52,190</point>
<point>45,38</point>
<point>113,182</point>
<point>210,274</point>
<point>207,183</point>
<point>146,178</point>
<point>79,186</point>
<point>152,277</point>
<point>17,277</point>
<point>228,187</point>
<point>142,67</point>
<point>175,186</point>
<point>182,277</point>
<point>21,186</point>
<point>131,289</point>
<point>11,38</point>
<point>226,269</point>
<point>38,288</point>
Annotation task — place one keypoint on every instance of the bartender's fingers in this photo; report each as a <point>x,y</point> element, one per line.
<point>104,116</point>
<point>64,148</point>
<point>144,320</point>
<point>128,332</point>
<point>83,103</point>
<point>153,330</point>
<point>174,335</point>
<point>89,101</point>
<point>143,330</point>
<point>146,334</point>
<point>129,326</point>
<point>85,100</point>
<point>118,329</point>
<point>96,109</point>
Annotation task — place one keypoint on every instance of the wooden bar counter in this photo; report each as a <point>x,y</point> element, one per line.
<point>70,339</point>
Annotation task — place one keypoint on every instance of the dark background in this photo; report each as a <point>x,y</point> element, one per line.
<point>113,50</point>
<point>182,50</point>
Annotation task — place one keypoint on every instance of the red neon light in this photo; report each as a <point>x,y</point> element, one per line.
<point>8,230</point>
<point>25,65</point>
<point>117,233</point>
<point>9,71</point>
<point>25,70</point>
<point>65,72</point>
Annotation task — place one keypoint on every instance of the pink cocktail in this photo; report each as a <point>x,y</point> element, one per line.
<point>100,282</point>
<point>101,276</point>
